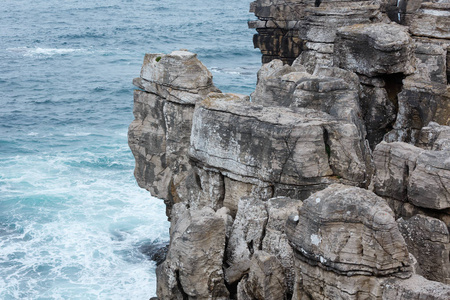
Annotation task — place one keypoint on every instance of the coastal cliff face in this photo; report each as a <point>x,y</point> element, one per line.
<point>333,182</point>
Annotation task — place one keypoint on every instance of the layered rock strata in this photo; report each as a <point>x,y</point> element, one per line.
<point>226,168</point>
<point>403,70</point>
<point>332,181</point>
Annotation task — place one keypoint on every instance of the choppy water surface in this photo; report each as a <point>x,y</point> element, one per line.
<point>73,222</point>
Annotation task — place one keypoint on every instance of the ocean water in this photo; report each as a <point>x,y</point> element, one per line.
<point>73,222</point>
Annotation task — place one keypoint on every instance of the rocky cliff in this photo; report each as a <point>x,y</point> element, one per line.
<point>332,182</point>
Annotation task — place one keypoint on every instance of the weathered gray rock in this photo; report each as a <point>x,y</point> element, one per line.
<point>266,280</point>
<point>434,137</point>
<point>235,190</point>
<point>277,244</point>
<point>405,172</point>
<point>431,61</point>
<point>277,29</point>
<point>218,159</point>
<point>349,231</point>
<point>318,283</point>
<point>429,241</point>
<point>374,49</point>
<point>407,210</point>
<point>246,237</point>
<point>327,90</point>
<point>275,241</point>
<point>322,20</point>
<point>429,182</point>
<point>158,138</point>
<point>279,209</point>
<point>193,267</point>
<point>225,214</point>
<point>432,20</point>
<point>179,70</point>
<point>330,95</point>
<point>415,287</point>
<point>379,112</point>
<point>424,94</point>
<point>160,134</point>
<point>147,141</point>
<point>276,83</point>
<point>346,243</point>
<point>419,103</point>
<point>394,163</point>
<point>204,188</point>
<point>351,79</point>
<point>283,10</point>
<point>283,146</point>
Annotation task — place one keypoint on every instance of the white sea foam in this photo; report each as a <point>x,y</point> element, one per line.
<point>52,51</point>
<point>226,71</point>
<point>77,134</point>
<point>84,232</point>
<point>26,51</point>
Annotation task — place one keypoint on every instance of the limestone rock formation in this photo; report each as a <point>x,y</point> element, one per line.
<point>265,280</point>
<point>325,90</point>
<point>294,192</point>
<point>429,181</point>
<point>434,137</point>
<point>374,49</point>
<point>431,20</point>
<point>394,163</point>
<point>349,231</point>
<point>246,237</point>
<point>286,146</point>
<point>403,70</point>
<point>429,241</point>
<point>415,287</point>
<point>411,174</point>
<point>193,267</point>
<point>159,135</point>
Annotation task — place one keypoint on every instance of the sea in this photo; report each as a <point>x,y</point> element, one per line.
<point>73,222</point>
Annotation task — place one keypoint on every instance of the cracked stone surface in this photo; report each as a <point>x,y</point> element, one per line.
<point>349,231</point>
<point>160,133</point>
<point>429,241</point>
<point>277,145</point>
<point>233,172</point>
<point>388,49</point>
<point>394,163</point>
<point>346,243</point>
<point>193,266</point>
<point>246,237</point>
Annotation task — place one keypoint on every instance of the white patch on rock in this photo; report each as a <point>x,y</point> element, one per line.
<point>317,200</point>
<point>315,239</point>
<point>296,218</point>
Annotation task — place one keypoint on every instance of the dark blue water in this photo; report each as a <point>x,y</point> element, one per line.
<point>72,219</point>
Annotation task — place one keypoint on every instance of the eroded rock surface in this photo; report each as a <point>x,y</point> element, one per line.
<point>374,49</point>
<point>414,175</point>
<point>281,145</point>
<point>415,287</point>
<point>281,196</point>
<point>193,267</point>
<point>349,231</point>
<point>429,241</point>
<point>163,110</point>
